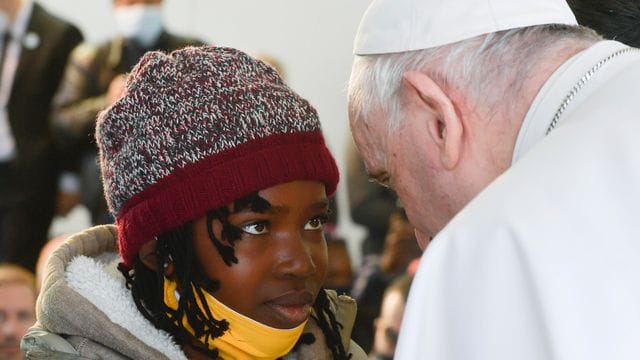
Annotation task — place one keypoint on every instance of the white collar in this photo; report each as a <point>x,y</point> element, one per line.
<point>559,85</point>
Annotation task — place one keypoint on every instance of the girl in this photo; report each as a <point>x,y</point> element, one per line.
<point>218,176</point>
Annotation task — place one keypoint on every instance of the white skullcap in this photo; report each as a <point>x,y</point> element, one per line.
<point>390,26</point>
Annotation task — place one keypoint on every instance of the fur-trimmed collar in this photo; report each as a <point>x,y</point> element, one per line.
<point>114,300</point>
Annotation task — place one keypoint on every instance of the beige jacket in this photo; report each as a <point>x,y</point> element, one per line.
<point>85,311</point>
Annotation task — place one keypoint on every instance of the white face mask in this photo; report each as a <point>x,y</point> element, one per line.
<point>142,23</point>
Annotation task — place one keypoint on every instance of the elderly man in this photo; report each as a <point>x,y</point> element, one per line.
<point>510,135</point>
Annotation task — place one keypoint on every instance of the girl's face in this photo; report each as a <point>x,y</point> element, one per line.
<point>282,255</point>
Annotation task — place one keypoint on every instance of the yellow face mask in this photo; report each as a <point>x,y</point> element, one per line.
<point>245,338</point>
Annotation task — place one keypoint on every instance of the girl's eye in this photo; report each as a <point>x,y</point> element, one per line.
<point>257,228</point>
<point>316,223</point>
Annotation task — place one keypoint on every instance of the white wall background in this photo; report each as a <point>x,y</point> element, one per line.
<point>312,38</point>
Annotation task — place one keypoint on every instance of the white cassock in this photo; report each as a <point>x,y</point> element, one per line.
<point>545,262</point>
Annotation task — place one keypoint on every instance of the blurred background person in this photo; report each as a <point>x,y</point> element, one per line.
<point>339,268</point>
<point>378,271</point>
<point>613,19</point>
<point>17,308</point>
<point>44,255</point>
<point>387,325</point>
<point>34,48</point>
<point>94,79</point>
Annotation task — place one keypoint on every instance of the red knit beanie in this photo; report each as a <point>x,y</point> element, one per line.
<point>196,130</point>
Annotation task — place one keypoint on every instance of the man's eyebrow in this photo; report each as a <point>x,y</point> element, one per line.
<point>372,175</point>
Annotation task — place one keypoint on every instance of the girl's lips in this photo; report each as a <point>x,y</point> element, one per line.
<point>292,308</point>
<point>291,315</point>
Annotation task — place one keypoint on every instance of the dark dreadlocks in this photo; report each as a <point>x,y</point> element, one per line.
<point>147,286</point>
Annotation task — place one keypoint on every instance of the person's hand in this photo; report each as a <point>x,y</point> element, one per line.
<point>116,87</point>
<point>66,201</point>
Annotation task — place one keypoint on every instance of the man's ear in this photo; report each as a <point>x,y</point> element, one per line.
<point>444,125</point>
<point>149,258</point>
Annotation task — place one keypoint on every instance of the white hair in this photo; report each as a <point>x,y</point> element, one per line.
<point>488,69</point>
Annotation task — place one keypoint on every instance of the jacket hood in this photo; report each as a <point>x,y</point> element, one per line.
<point>84,295</point>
